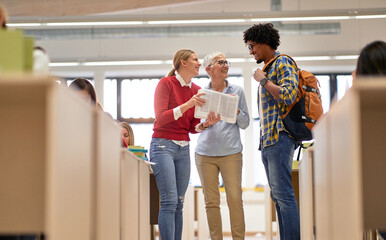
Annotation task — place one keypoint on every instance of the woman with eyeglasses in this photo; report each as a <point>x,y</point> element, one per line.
<point>174,102</point>
<point>219,149</point>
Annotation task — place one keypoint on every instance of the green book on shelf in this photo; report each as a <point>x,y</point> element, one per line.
<point>11,51</point>
<point>28,53</point>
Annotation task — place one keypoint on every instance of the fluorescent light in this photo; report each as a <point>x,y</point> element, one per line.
<point>290,19</point>
<point>200,21</point>
<point>73,24</point>
<point>20,25</point>
<point>370,16</point>
<point>237,60</point>
<point>346,57</point>
<point>320,18</point>
<point>123,63</point>
<point>313,58</point>
<point>69,24</point>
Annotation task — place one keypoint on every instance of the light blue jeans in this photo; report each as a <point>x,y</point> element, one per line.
<point>277,160</point>
<point>172,174</point>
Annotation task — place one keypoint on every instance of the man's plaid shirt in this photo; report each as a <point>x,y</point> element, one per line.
<point>283,73</point>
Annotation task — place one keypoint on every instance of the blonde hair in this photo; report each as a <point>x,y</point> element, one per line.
<point>130,131</point>
<point>182,54</point>
<point>3,17</point>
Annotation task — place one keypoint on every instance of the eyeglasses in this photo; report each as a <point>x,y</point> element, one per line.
<point>250,47</point>
<point>223,62</point>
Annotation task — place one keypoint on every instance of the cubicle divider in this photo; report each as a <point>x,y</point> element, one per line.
<point>107,177</point>
<point>306,192</point>
<point>46,159</point>
<point>135,197</point>
<point>349,164</point>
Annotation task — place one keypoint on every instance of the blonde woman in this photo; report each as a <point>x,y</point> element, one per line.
<point>174,102</point>
<point>127,133</point>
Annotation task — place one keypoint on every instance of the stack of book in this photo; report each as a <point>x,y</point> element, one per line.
<point>138,151</point>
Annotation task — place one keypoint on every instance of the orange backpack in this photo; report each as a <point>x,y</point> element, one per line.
<point>304,112</point>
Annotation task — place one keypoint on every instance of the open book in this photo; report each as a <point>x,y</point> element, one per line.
<point>224,104</point>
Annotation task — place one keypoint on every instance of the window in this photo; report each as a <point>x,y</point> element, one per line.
<point>137,98</point>
<point>110,97</point>
<point>344,83</point>
<point>324,81</point>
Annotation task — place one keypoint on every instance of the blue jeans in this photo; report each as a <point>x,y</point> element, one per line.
<point>21,237</point>
<point>172,173</point>
<point>382,233</point>
<point>277,160</point>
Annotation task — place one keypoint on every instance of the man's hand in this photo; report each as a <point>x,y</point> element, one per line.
<point>259,74</point>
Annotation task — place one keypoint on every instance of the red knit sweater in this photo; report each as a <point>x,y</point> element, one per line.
<point>168,95</point>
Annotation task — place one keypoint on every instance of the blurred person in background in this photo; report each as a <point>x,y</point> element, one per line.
<point>372,60</point>
<point>127,134</point>
<point>41,62</point>
<point>85,89</point>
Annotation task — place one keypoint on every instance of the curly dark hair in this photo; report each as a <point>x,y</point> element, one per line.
<point>372,59</point>
<point>263,33</point>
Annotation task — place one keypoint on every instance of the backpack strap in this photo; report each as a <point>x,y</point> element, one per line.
<point>311,89</point>
<point>308,119</point>
<point>301,145</point>
<point>296,65</point>
<point>270,62</point>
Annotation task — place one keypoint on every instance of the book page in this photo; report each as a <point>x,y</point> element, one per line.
<point>224,104</point>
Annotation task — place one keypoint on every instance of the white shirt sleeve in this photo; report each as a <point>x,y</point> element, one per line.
<point>198,128</point>
<point>177,112</point>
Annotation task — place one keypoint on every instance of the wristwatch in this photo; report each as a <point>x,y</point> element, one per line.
<point>263,81</point>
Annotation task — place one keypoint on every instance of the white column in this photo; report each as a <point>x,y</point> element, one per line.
<point>249,146</point>
<point>99,77</point>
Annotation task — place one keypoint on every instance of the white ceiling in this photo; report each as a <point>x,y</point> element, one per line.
<point>352,35</point>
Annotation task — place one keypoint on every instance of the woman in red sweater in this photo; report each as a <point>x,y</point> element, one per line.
<point>174,101</point>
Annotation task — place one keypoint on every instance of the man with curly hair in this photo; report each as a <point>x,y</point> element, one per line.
<point>278,89</point>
